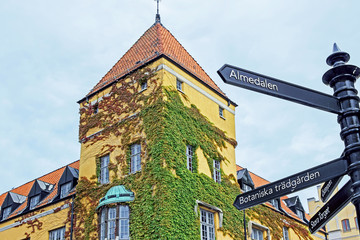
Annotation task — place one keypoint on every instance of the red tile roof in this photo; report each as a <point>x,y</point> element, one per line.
<point>52,177</point>
<point>156,41</point>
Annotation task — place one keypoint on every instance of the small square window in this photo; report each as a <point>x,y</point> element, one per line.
<point>346,225</point>
<point>179,85</point>
<point>143,85</point>
<point>221,112</point>
<point>95,108</point>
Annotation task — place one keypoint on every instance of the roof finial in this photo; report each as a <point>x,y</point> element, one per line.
<point>157,18</point>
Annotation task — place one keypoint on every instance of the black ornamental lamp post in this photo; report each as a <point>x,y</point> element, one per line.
<point>341,77</point>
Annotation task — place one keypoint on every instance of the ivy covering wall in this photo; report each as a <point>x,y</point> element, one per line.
<point>165,190</point>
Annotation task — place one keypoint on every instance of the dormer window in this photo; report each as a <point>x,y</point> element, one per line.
<point>34,201</point>
<point>65,189</point>
<point>300,214</point>
<point>246,188</point>
<point>6,213</point>
<point>275,203</point>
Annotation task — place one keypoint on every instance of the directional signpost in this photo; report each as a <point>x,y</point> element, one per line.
<point>277,88</point>
<point>331,208</point>
<point>328,188</point>
<point>291,184</point>
<point>345,102</point>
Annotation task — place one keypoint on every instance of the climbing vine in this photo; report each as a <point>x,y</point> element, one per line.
<point>165,190</point>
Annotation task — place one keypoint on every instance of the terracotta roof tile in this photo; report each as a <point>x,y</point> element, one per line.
<point>52,177</point>
<point>156,41</point>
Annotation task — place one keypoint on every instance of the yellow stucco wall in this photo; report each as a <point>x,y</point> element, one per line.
<point>11,230</point>
<point>204,101</point>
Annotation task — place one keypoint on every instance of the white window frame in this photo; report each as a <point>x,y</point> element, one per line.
<point>217,171</point>
<point>286,233</point>
<point>6,212</point>
<point>135,157</point>
<point>207,225</point>
<point>124,224</point>
<point>111,223</point>
<point>179,85</point>
<point>115,223</point>
<point>253,225</point>
<point>104,169</point>
<point>34,201</point>
<point>65,189</point>
<point>189,157</point>
<point>57,234</point>
<point>221,112</point>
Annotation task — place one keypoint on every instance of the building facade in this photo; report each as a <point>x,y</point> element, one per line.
<point>157,161</point>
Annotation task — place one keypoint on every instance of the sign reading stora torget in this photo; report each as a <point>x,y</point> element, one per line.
<point>264,84</point>
<point>293,183</point>
<point>331,208</point>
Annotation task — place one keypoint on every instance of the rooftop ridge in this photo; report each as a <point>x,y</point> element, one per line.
<point>33,180</point>
<point>155,42</point>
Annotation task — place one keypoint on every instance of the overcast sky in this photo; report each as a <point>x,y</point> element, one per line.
<point>53,53</point>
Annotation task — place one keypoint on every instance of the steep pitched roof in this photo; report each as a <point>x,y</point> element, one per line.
<point>157,41</point>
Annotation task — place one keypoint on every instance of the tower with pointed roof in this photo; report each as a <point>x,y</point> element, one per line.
<point>157,161</point>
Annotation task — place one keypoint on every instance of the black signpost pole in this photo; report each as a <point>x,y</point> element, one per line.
<point>342,78</point>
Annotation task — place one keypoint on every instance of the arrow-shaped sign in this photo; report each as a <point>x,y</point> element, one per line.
<point>328,188</point>
<point>277,88</point>
<point>331,208</point>
<point>292,184</point>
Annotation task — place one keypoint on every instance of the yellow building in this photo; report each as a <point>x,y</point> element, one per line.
<point>343,226</point>
<point>157,161</point>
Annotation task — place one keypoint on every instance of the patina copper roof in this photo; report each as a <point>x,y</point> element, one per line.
<point>155,42</point>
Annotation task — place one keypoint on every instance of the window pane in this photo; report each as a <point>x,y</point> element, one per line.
<point>207,225</point>
<point>104,171</point>
<point>6,213</point>
<point>34,201</point>
<point>124,222</point>
<point>65,189</point>
<point>57,234</point>
<point>135,158</point>
<point>111,223</point>
<point>189,157</point>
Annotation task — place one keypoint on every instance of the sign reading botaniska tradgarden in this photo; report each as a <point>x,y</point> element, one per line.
<point>291,184</point>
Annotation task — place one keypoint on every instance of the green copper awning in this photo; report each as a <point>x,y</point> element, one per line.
<point>116,194</point>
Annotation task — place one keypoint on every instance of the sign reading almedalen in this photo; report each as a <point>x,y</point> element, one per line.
<point>255,81</point>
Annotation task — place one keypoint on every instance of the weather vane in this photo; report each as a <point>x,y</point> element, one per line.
<point>157,18</point>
